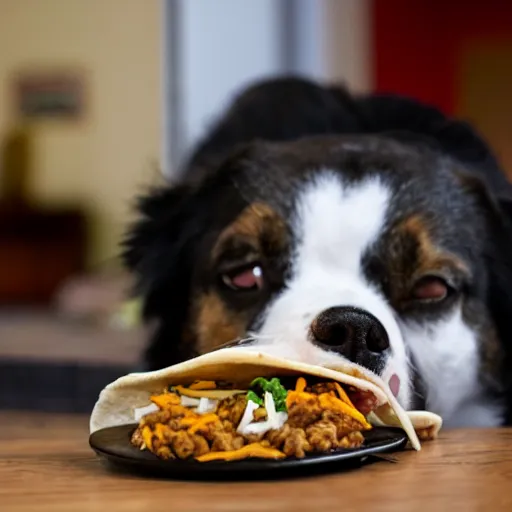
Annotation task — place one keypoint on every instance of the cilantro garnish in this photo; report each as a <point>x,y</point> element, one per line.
<point>253,397</point>
<point>272,386</point>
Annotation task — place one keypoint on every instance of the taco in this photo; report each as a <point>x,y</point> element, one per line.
<point>235,404</point>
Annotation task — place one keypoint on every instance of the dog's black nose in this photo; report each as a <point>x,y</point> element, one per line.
<point>352,332</point>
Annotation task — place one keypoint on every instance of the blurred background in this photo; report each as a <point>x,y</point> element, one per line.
<point>101,98</point>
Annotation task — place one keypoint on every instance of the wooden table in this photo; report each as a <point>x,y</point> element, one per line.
<point>46,465</point>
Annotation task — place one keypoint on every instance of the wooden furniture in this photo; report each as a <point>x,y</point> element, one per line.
<point>53,365</point>
<point>39,250</point>
<point>46,465</point>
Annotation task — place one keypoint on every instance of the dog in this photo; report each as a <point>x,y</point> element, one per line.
<point>324,225</point>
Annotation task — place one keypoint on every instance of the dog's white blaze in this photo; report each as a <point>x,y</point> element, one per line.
<point>446,354</point>
<point>335,224</point>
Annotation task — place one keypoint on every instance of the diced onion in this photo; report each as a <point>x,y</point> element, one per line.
<point>187,401</point>
<point>270,406</point>
<point>275,420</point>
<point>260,427</point>
<point>247,416</point>
<point>140,412</point>
<point>281,419</point>
<point>206,405</point>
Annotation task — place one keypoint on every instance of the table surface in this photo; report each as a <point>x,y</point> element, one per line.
<point>46,465</point>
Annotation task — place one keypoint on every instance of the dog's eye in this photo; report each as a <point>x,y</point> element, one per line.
<point>245,279</point>
<point>431,288</point>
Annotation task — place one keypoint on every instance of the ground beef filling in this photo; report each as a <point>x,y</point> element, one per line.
<point>175,432</point>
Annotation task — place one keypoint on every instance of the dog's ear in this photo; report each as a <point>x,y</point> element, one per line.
<point>158,210</point>
<point>410,120</point>
<point>163,245</point>
<point>158,250</point>
<point>499,264</point>
<point>497,254</point>
<point>170,218</point>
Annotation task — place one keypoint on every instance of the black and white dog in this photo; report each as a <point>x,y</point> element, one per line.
<point>325,225</point>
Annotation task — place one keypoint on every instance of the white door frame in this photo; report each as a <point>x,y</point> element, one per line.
<point>322,39</point>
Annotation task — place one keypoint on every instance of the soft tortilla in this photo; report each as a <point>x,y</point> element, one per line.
<point>118,400</point>
<point>426,424</point>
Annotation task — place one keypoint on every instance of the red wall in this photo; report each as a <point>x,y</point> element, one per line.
<point>417,43</point>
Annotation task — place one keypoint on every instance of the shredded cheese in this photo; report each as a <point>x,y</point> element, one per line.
<point>298,396</point>
<point>343,395</point>
<point>203,384</point>
<point>301,384</point>
<point>217,394</point>
<point>189,421</point>
<point>250,450</point>
<point>165,400</point>
<point>329,402</point>
<point>160,431</point>
<point>147,436</point>
<point>202,422</point>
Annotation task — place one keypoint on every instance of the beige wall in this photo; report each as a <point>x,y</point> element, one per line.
<point>347,40</point>
<point>102,160</point>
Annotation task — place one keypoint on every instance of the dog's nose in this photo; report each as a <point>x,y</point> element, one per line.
<point>352,332</point>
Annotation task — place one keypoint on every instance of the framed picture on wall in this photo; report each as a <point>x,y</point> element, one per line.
<point>41,94</point>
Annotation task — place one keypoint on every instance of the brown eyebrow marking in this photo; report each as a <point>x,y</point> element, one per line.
<point>259,225</point>
<point>430,257</point>
<point>411,252</point>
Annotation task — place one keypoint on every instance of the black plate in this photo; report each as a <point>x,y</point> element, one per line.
<point>113,445</point>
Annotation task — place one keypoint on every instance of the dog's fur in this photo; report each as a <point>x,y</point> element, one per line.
<point>338,200</point>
